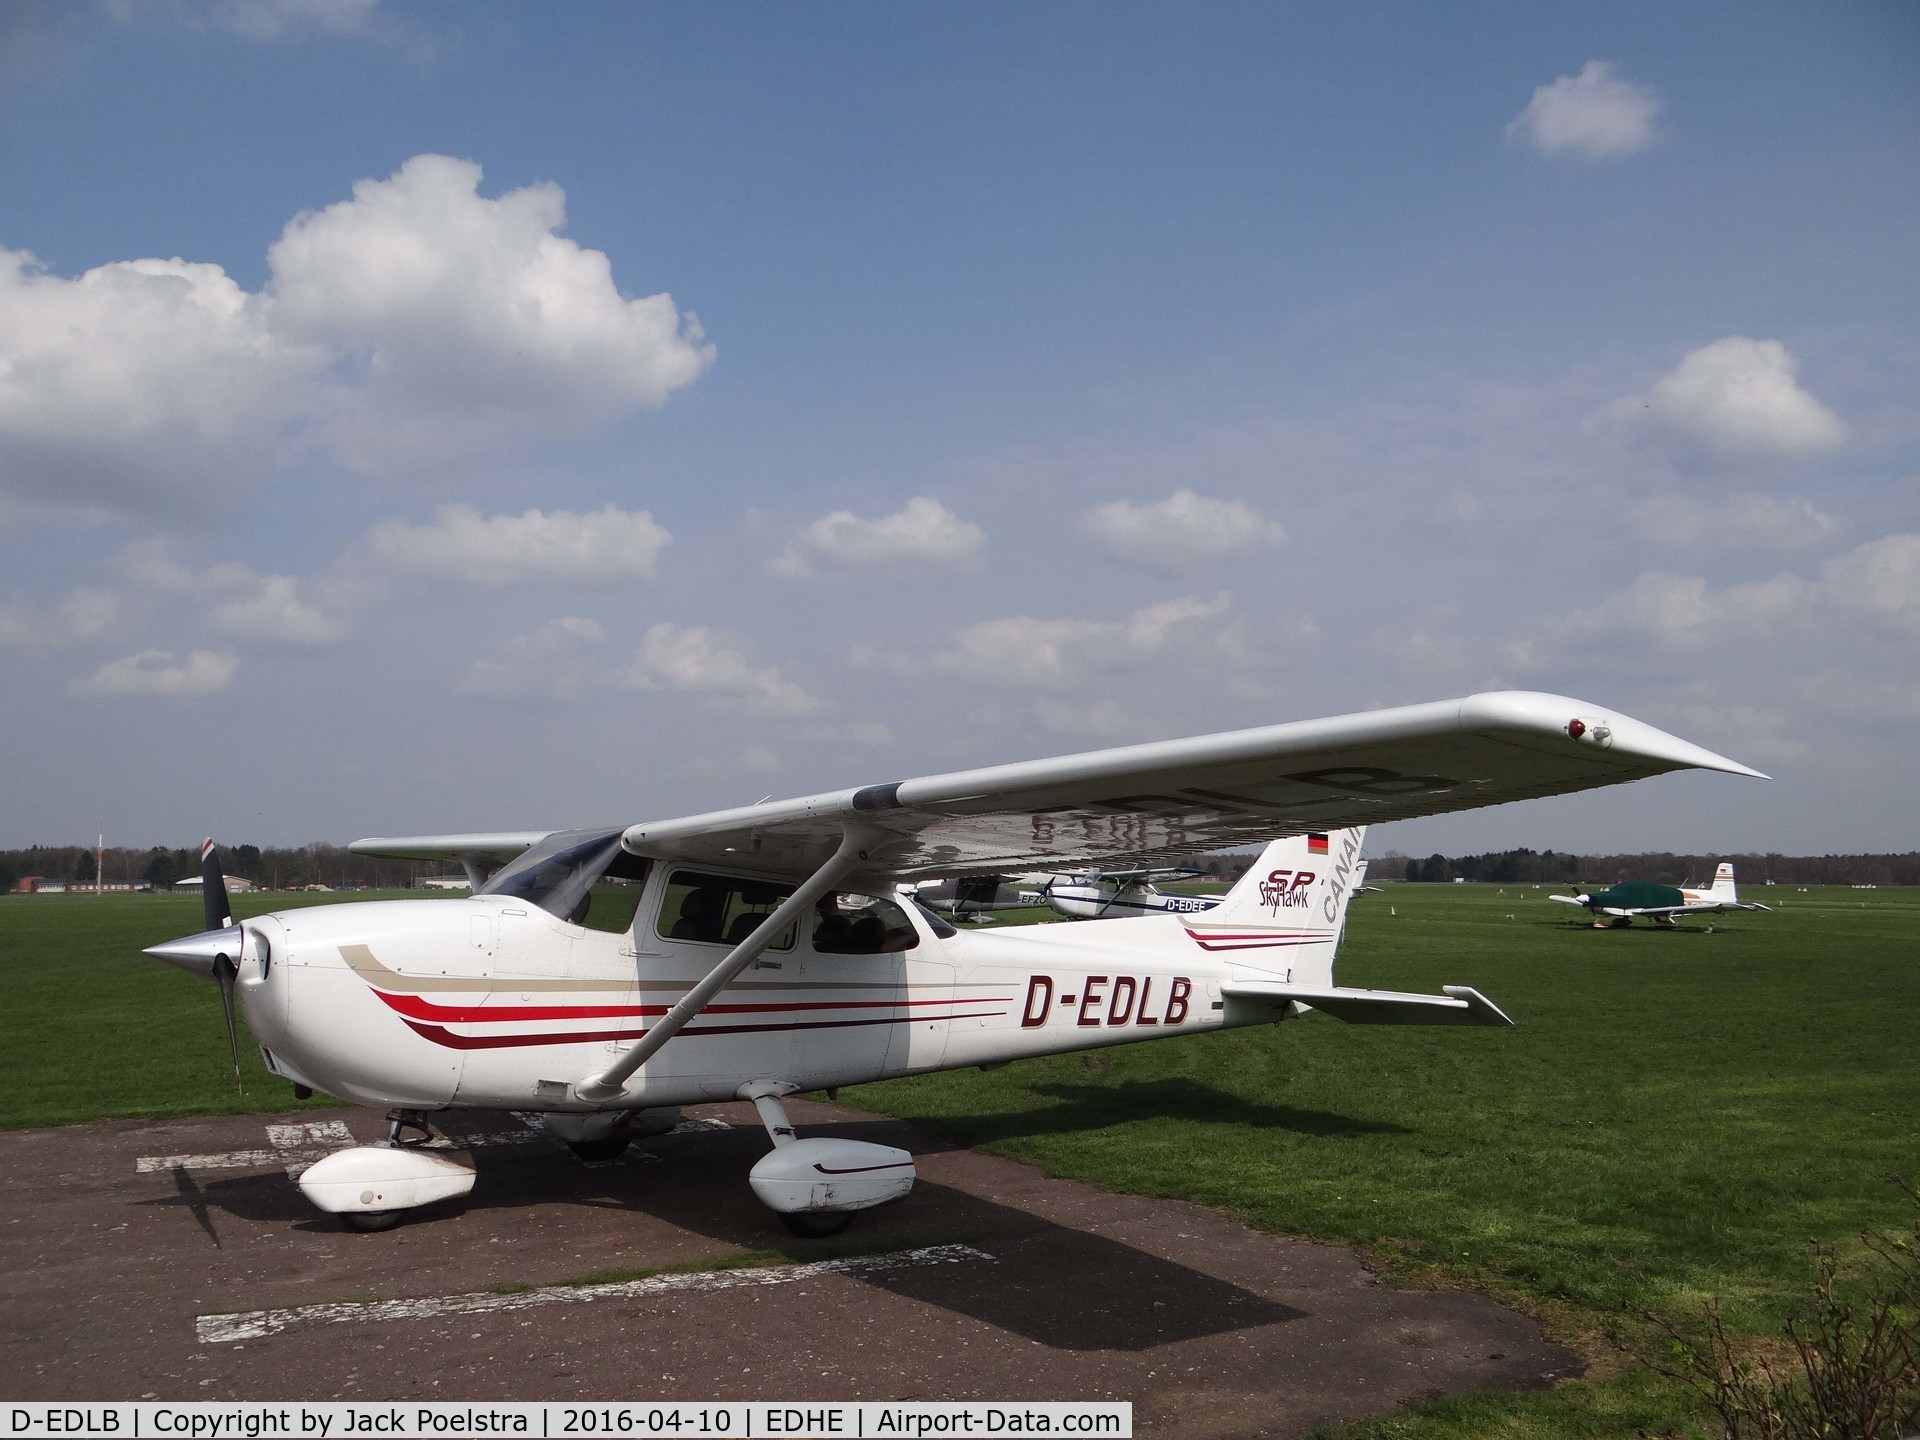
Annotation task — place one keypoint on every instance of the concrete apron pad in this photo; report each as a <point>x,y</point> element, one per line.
<point>991,1281</point>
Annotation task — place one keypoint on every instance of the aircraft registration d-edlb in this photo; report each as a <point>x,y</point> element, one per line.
<point>1663,904</point>
<point>601,977</point>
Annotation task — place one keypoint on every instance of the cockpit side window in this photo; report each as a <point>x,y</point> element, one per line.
<point>849,924</point>
<point>611,904</point>
<point>719,909</point>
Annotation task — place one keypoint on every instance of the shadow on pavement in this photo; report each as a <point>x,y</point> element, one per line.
<point>1054,1284</point>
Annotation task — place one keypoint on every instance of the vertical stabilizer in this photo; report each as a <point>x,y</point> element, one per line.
<point>1723,882</point>
<point>1286,914</point>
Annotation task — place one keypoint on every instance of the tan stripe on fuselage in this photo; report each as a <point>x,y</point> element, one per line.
<point>361,960</point>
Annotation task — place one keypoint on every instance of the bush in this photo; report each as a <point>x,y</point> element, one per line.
<point>1854,1372</point>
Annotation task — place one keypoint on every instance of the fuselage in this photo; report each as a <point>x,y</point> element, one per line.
<point>493,1003</point>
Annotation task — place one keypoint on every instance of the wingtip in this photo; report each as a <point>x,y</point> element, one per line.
<point>1580,721</point>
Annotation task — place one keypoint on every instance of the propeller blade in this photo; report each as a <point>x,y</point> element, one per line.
<point>224,971</point>
<point>213,888</point>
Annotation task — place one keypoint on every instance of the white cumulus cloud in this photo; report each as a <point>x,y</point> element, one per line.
<point>1735,399</point>
<point>417,321</point>
<point>140,382</point>
<point>698,658</point>
<point>923,534</point>
<point>1879,581</point>
<point>281,610</point>
<point>1737,520</point>
<point>551,663</point>
<point>1183,531</point>
<point>440,302</point>
<point>265,610</point>
<point>82,614</point>
<point>161,673</point>
<point>601,547</point>
<point>1685,611</point>
<point>267,21</point>
<point>1594,113</point>
<point>1025,651</point>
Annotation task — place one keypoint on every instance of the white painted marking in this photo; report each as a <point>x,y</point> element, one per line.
<point>257,1324</point>
<point>295,1147</point>
<point>300,1145</point>
<point>331,1133</point>
<point>231,1160</point>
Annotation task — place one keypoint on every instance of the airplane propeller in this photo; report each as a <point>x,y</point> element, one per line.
<point>214,952</point>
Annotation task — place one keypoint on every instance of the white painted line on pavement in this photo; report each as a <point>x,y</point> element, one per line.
<point>230,1160</point>
<point>257,1324</point>
<point>299,1145</point>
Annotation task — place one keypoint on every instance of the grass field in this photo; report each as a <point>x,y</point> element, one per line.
<point>96,1028</point>
<point>1674,1116</point>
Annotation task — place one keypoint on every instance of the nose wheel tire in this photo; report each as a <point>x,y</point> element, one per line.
<point>368,1222</point>
<point>611,1148</point>
<point>816,1224</point>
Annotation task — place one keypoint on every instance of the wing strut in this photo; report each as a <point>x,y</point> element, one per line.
<point>856,843</point>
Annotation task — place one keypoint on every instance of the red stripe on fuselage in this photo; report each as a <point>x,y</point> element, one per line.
<point>417,1007</point>
<point>439,1035</point>
<point>1257,939</point>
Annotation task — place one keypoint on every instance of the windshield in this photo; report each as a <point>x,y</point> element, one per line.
<point>559,873</point>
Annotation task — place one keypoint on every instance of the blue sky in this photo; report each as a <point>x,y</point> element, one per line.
<point>604,412</point>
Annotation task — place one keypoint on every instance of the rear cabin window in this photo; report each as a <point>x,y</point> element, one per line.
<point>849,924</point>
<point>720,909</point>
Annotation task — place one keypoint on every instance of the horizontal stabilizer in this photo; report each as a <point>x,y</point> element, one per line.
<point>1460,1005</point>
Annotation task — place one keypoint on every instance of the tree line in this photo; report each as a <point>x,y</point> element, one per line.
<point>284,867</point>
<point>275,866</point>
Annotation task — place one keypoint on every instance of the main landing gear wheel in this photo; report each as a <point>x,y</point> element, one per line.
<point>611,1148</point>
<point>816,1224</point>
<point>369,1222</point>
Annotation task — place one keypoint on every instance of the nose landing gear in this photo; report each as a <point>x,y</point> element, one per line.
<point>371,1187</point>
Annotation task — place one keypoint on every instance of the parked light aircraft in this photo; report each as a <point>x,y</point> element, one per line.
<point>1662,904</point>
<point>601,976</point>
<point>1099,894</point>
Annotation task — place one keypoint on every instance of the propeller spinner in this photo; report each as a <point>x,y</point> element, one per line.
<point>215,952</point>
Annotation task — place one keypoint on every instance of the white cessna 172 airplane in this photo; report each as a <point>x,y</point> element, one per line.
<point>770,951</point>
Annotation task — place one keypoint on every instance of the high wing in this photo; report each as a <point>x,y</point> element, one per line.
<point>1157,803</point>
<point>478,854</point>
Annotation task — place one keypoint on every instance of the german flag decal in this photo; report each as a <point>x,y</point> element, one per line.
<point>1316,844</point>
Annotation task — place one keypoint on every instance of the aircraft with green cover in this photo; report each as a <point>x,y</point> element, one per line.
<point>1662,904</point>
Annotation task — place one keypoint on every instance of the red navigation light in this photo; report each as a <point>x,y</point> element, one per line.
<point>1576,728</point>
